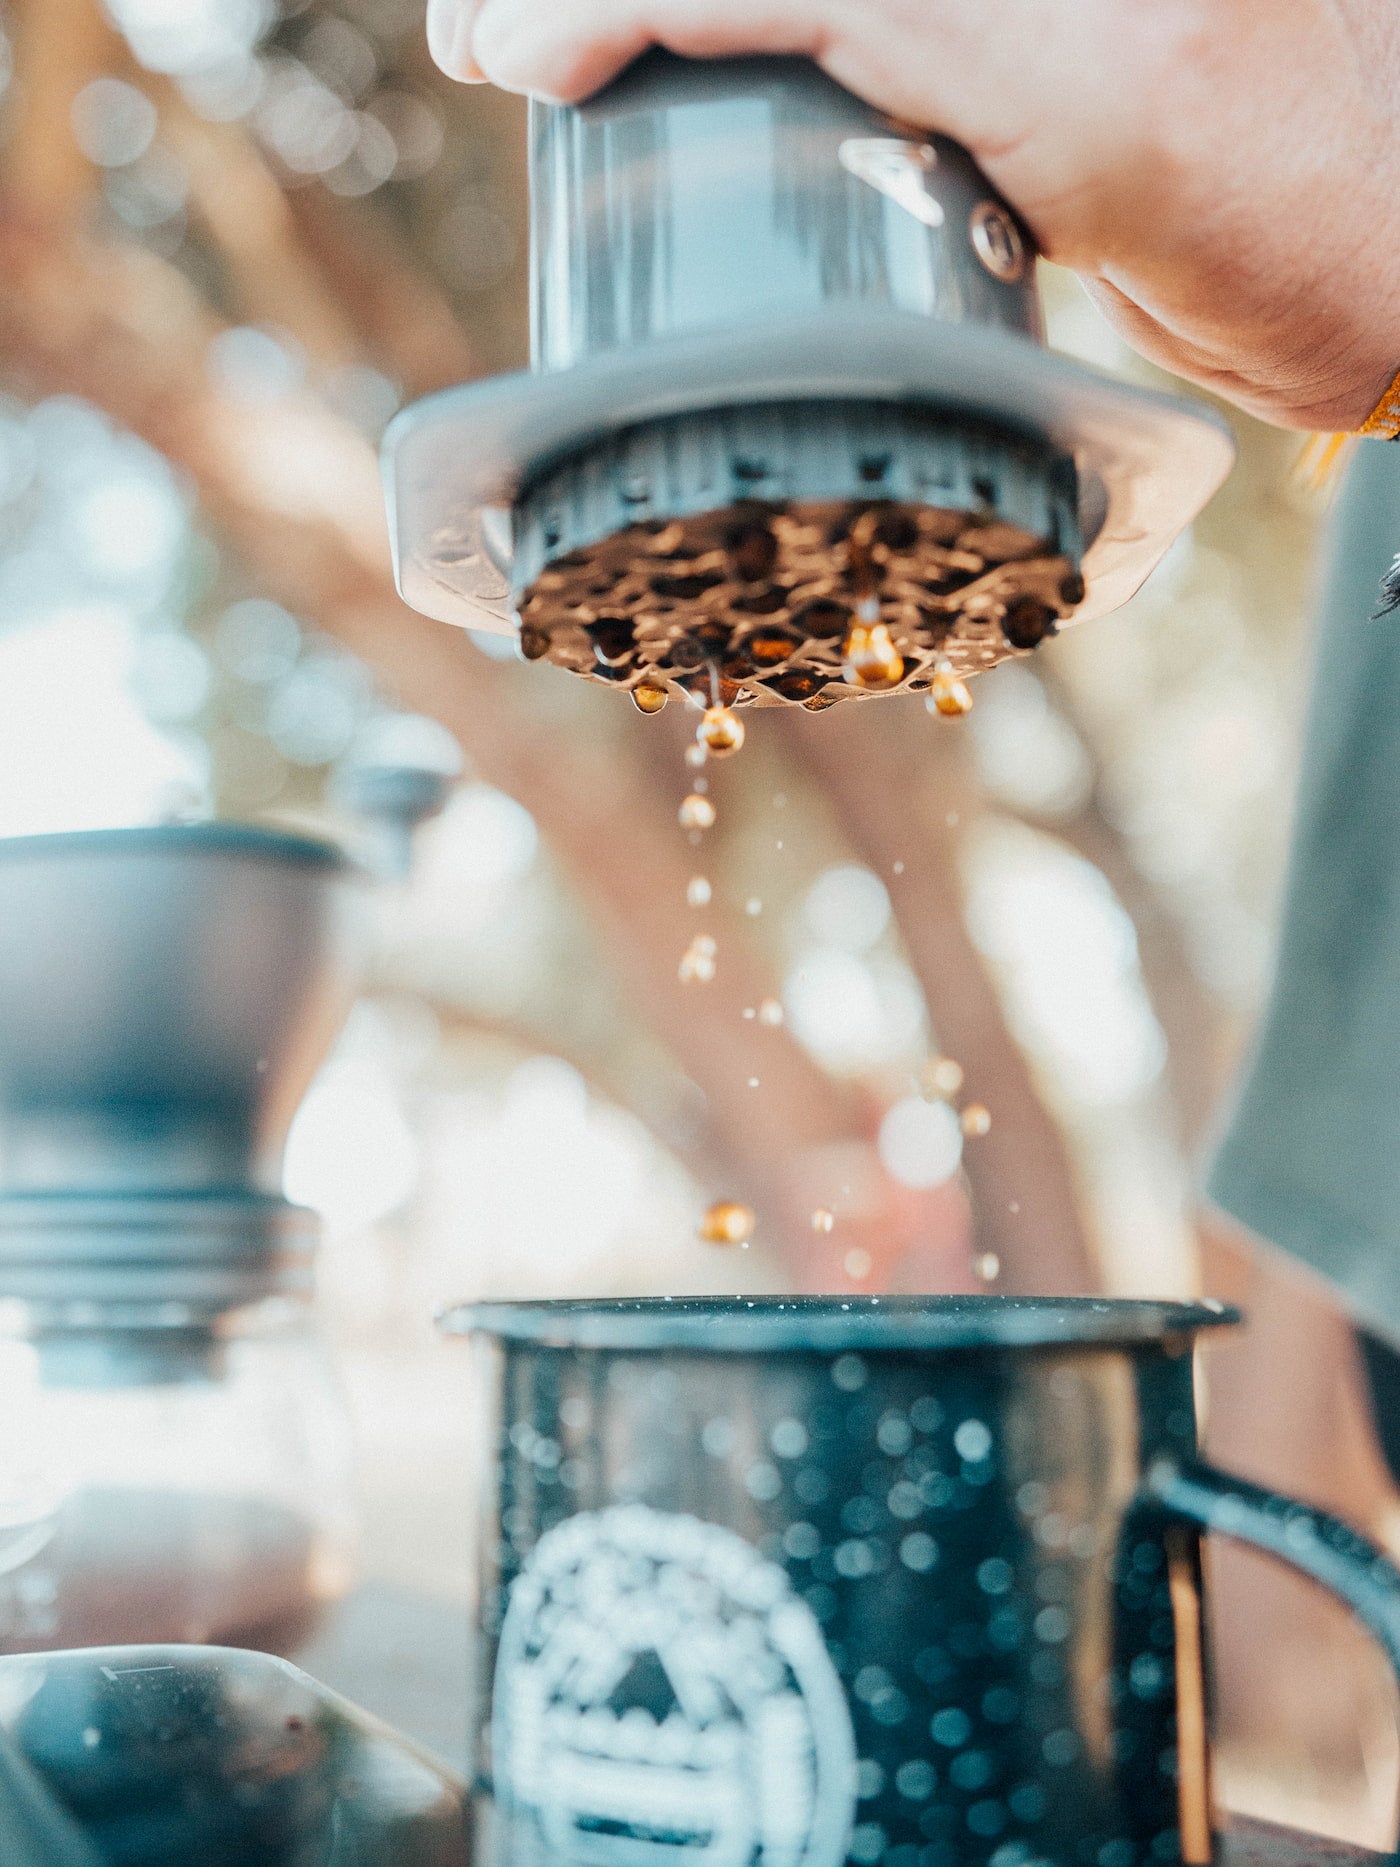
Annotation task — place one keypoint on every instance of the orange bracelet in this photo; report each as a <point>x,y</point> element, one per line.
<point>1384,419</point>
<point>1322,455</point>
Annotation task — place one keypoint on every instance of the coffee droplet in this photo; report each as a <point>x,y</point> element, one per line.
<point>947,694</point>
<point>987,1266</point>
<point>695,757</point>
<point>720,732</point>
<point>871,659</point>
<point>727,1223</point>
<point>770,1012</point>
<point>697,965</point>
<point>697,893</point>
<point>822,1220</point>
<point>769,649</point>
<point>940,1079</point>
<point>857,1264</point>
<point>975,1120</point>
<point>647,697</point>
<point>697,812</point>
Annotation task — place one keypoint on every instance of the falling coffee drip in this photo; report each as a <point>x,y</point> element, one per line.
<point>797,556</point>
<point>727,1222</point>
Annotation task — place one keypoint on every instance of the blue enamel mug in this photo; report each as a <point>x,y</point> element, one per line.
<point>900,1582</point>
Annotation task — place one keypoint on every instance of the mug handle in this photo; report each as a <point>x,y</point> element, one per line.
<point>1311,1541</point>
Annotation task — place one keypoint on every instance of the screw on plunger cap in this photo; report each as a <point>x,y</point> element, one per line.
<point>787,365</point>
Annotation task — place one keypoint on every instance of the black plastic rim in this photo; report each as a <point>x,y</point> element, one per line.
<point>832,1324</point>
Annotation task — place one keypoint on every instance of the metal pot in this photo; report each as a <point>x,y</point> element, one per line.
<point>901,1580</point>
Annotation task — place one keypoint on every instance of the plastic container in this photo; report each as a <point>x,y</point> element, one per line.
<point>163,1480</point>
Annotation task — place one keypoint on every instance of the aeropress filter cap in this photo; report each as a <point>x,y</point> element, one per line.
<point>788,374</point>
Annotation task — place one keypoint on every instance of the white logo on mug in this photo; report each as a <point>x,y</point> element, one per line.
<point>662,1695</point>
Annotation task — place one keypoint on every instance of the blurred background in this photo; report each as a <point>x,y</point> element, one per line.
<point>235,237</point>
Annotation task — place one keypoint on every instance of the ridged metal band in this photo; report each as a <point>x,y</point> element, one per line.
<point>204,1255</point>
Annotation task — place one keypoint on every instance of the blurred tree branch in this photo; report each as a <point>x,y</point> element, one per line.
<point>1190,1017</point>
<point>335,278</point>
<point>1190,1020</point>
<point>400,316</point>
<point>297,491</point>
<point>249,220</point>
<point>60,47</point>
<point>899,785</point>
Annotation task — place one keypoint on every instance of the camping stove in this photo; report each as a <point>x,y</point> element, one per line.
<point>788,375</point>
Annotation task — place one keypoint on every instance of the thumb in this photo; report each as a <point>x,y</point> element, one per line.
<point>567,51</point>
<point>450,27</point>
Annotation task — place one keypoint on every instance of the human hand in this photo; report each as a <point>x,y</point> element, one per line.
<point>1224,175</point>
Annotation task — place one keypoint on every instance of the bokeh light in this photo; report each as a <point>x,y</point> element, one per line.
<point>182,36</point>
<point>1028,754</point>
<point>920,1142</point>
<point>302,120</point>
<point>77,750</point>
<point>113,122</point>
<point>1066,954</point>
<point>847,907</point>
<point>351,1155</point>
<point>544,1186</point>
<point>257,640</point>
<point>254,366</point>
<point>854,1015</point>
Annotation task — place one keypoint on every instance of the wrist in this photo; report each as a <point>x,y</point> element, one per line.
<point>1367,349</point>
<point>1358,390</point>
<point>1368,405</point>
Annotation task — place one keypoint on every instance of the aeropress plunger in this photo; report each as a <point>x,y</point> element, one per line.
<point>788,379</point>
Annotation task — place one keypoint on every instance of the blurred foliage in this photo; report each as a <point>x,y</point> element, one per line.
<point>354,228</point>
